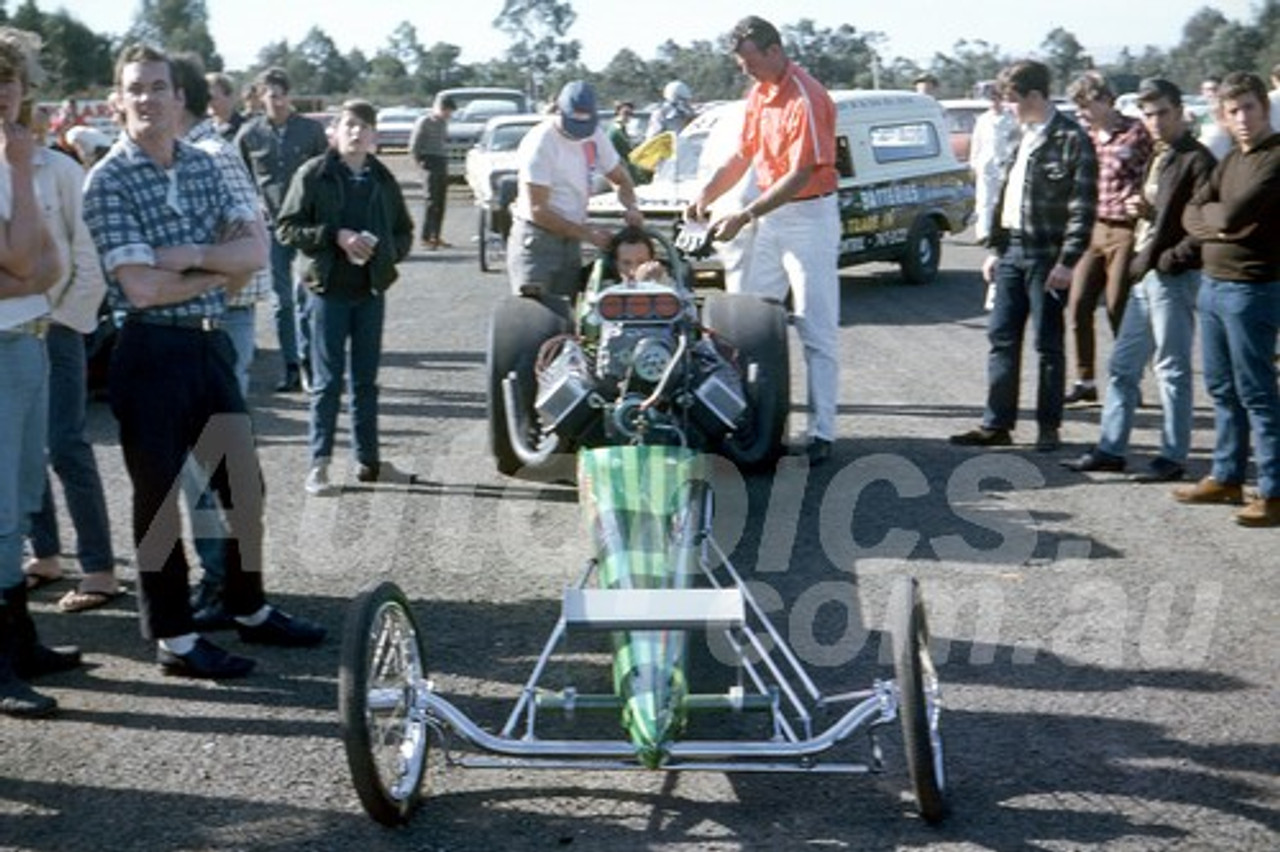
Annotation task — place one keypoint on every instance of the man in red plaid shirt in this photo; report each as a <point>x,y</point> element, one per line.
<point>1123,147</point>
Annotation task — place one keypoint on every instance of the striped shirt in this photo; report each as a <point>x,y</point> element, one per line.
<point>133,205</point>
<point>788,126</point>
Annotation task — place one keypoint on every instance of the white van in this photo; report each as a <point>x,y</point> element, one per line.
<point>900,185</point>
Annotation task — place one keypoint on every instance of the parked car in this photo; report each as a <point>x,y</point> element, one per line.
<point>475,106</point>
<point>490,172</point>
<point>900,184</point>
<point>395,126</point>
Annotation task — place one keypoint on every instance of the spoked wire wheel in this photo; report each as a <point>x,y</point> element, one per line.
<point>384,731</point>
<point>919,701</point>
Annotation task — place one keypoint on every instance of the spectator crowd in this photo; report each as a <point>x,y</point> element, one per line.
<point>198,212</point>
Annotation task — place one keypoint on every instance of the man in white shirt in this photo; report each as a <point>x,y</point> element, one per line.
<point>559,160</point>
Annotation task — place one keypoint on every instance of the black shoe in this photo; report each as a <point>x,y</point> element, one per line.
<point>1047,440</point>
<point>206,661</point>
<point>292,380</point>
<point>1095,460</point>
<point>212,617</point>
<point>983,437</point>
<point>35,660</point>
<point>18,699</point>
<point>1081,394</point>
<point>30,658</point>
<point>207,612</point>
<point>818,451</point>
<point>1161,470</point>
<point>384,472</point>
<point>283,630</point>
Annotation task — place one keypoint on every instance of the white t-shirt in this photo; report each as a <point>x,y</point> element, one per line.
<point>568,166</point>
<point>1275,110</point>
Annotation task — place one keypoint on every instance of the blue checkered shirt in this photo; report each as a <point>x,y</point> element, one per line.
<point>132,205</point>
<point>206,137</point>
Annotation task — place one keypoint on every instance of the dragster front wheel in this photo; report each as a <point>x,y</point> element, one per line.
<point>919,701</point>
<point>383,729</point>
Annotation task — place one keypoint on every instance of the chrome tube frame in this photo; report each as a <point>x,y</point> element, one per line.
<point>787,750</point>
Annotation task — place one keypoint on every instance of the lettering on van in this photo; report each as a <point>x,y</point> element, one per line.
<point>893,195</point>
<point>857,243</point>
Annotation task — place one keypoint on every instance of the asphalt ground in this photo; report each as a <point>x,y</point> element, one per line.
<point>1108,656</point>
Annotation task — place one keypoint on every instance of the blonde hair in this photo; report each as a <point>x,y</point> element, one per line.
<point>20,58</point>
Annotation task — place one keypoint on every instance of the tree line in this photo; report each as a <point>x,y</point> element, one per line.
<point>542,55</point>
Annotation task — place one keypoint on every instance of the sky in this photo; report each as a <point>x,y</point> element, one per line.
<point>240,28</point>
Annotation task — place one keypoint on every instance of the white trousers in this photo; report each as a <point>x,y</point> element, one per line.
<point>796,248</point>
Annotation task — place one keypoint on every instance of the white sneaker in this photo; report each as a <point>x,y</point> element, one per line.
<point>318,484</point>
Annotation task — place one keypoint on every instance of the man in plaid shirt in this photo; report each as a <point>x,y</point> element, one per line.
<point>172,238</point>
<point>1123,147</point>
<point>1039,231</point>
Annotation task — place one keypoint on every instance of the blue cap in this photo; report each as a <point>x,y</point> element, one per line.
<point>577,104</point>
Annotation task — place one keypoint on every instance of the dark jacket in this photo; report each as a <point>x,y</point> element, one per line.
<point>273,161</point>
<point>1171,249</point>
<point>1060,199</point>
<point>312,215</point>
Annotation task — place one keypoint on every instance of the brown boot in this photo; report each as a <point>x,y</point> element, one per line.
<point>1260,512</point>
<point>1210,491</point>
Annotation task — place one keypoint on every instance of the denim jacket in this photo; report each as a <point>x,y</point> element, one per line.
<point>1059,201</point>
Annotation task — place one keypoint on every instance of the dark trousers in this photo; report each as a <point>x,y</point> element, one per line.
<point>436,188</point>
<point>174,392</point>
<point>1020,295</point>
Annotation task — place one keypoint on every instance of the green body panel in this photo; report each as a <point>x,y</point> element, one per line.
<point>637,503</point>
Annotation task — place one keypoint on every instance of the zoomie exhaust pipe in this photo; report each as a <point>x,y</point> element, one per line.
<point>518,430</point>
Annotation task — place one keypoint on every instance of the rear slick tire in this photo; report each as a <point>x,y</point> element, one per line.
<point>757,329</point>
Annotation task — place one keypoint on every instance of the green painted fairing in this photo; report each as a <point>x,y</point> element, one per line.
<point>636,502</point>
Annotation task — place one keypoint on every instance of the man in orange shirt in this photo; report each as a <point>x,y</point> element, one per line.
<point>789,136</point>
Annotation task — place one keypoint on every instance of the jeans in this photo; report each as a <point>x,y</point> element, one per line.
<point>284,311</point>
<point>72,459</point>
<point>24,412</point>
<point>238,322</point>
<point>437,192</point>
<point>795,249</point>
<point>1160,319</point>
<point>1238,326</point>
<point>1020,294</point>
<point>337,320</point>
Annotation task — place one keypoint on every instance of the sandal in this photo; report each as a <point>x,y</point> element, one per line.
<point>79,601</point>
